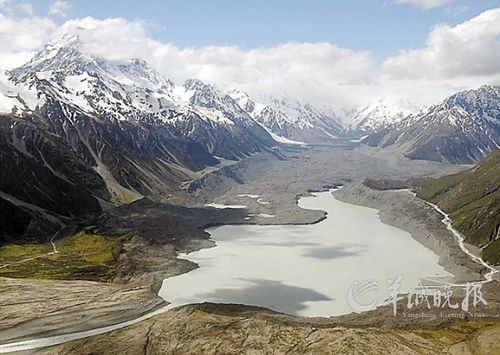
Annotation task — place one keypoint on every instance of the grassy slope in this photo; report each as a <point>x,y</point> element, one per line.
<point>472,199</point>
<point>82,256</point>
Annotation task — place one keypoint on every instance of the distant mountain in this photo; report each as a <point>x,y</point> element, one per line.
<point>381,114</point>
<point>78,132</point>
<point>292,119</point>
<point>472,199</point>
<point>464,128</point>
<point>215,120</point>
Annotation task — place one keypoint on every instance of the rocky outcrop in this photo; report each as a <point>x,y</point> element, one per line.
<point>463,129</point>
<point>82,133</point>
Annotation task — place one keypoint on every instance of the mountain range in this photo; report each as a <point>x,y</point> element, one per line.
<point>381,114</point>
<point>463,129</point>
<point>292,119</point>
<point>79,133</point>
<point>84,132</point>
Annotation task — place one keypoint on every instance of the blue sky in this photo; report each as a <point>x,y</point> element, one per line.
<point>380,26</point>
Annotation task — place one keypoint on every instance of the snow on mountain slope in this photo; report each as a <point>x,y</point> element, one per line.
<point>381,114</point>
<point>75,127</point>
<point>212,103</point>
<point>483,102</point>
<point>464,128</point>
<point>15,97</point>
<point>122,90</point>
<point>214,119</point>
<point>134,91</point>
<point>291,119</point>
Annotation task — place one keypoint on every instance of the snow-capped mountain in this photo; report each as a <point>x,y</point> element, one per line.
<point>125,91</point>
<point>215,120</point>
<point>464,128</point>
<point>131,91</point>
<point>76,130</point>
<point>95,86</point>
<point>381,114</point>
<point>291,119</point>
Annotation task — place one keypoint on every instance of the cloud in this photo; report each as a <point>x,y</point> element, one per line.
<point>309,70</point>
<point>60,8</point>
<point>424,4</point>
<point>454,58</point>
<point>10,8</point>
<point>464,53</point>
<point>21,37</point>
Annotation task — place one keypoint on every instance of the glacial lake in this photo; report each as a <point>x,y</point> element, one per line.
<point>304,270</point>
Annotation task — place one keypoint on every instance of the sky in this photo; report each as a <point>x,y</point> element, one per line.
<point>342,53</point>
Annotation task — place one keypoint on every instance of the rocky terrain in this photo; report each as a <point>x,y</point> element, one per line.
<point>109,171</point>
<point>291,119</point>
<point>162,231</point>
<point>226,329</point>
<point>34,308</point>
<point>86,134</point>
<point>222,328</point>
<point>472,199</point>
<point>463,129</point>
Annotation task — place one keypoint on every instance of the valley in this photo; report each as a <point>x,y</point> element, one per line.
<point>146,215</point>
<point>165,229</point>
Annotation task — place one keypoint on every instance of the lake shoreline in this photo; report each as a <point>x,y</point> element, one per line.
<point>313,176</point>
<point>336,243</point>
<point>407,212</point>
<point>381,314</point>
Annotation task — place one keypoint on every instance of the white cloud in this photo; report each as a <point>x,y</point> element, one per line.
<point>466,52</point>
<point>21,37</point>
<point>454,58</point>
<point>424,4</point>
<point>60,8</point>
<point>307,70</point>
<point>10,8</point>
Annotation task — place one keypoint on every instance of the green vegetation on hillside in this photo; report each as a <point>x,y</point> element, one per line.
<point>82,256</point>
<point>492,252</point>
<point>472,199</point>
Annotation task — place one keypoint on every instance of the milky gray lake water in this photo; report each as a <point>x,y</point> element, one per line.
<point>304,269</point>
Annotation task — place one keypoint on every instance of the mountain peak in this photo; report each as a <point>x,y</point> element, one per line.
<point>244,101</point>
<point>205,95</point>
<point>381,113</point>
<point>64,39</point>
<point>462,129</point>
<point>62,45</point>
<point>62,54</point>
<point>482,102</point>
<point>196,84</point>
<point>125,90</point>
